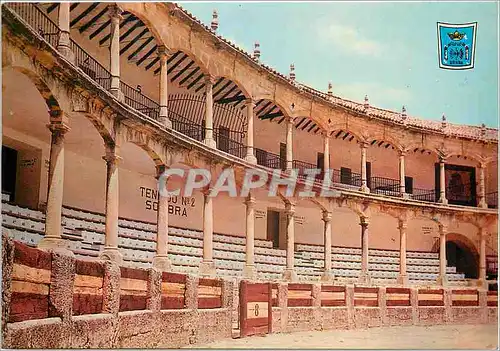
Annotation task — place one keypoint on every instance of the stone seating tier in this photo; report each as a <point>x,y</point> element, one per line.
<point>84,232</point>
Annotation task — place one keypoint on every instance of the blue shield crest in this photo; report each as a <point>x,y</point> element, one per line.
<point>457,45</point>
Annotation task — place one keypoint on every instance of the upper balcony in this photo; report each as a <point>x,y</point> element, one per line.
<point>141,75</point>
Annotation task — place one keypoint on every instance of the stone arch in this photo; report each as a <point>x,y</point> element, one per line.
<point>465,256</point>
<point>153,148</point>
<point>140,11</point>
<point>45,91</point>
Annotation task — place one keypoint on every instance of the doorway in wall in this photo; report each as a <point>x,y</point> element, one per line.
<point>9,172</point>
<point>462,258</point>
<point>273,227</point>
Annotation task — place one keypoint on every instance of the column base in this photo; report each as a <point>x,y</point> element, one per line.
<point>117,93</point>
<point>405,196</point>
<point>165,121</point>
<point>207,269</point>
<point>443,281</point>
<point>403,279</point>
<point>210,143</point>
<point>364,279</point>
<point>250,158</point>
<point>290,275</point>
<point>54,244</point>
<point>364,189</point>
<point>327,276</point>
<point>482,284</point>
<point>67,53</point>
<point>250,272</point>
<point>482,204</point>
<point>443,201</point>
<point>162,263</point>
<point>111,254</point>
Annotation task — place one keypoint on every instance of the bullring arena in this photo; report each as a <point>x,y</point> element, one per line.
<point>102,99</point>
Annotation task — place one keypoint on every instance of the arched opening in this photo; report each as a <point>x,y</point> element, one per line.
<point>383,180</point>
<point>419,167</point>
<point>26,102</point>
<point>461,257</point>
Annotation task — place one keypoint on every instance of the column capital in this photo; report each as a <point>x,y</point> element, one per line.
<point>483,233</point>
<point>163,53</point>
<point>250,200</point>
<point>115,12</point>
<point>58,129</point>
<point>442,158</point>
<point>402,153</point>
<point>443,229</point>
<point>209,80</point>
<point>402,224</point>
<point>364,221</point>
<point>327,216</point>
<point>111,157</point>
<point>363,144</point>
<point>250,101</point>
<point>159,170</point>
<point>290,209</point>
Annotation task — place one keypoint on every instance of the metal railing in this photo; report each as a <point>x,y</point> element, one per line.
<point>268,159</point>
<point>90,66</point>
<point>385,186</point>
<point>492,199</point>
<point>302,166</point>
<point>428,195</point>
<point>230,141</point>
<point>137,100</point>
<point>37,20</point>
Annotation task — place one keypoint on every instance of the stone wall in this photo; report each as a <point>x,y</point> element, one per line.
<point>303,307</point>
<point>51,300</point>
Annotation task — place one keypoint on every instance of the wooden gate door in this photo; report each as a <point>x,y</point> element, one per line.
<point>255,308</point>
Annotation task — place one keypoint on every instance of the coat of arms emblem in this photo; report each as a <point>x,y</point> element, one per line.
<point>456,45</point>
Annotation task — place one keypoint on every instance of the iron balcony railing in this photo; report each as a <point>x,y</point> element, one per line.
<point>90,66</point>
<point>428,195</point>
<point>301,166</point>
<point>226,141</point>
<point>270,160</point>
<point>385,186</point>
<point>37,20</point>
<point>492,199</point>
<point>137,100</point>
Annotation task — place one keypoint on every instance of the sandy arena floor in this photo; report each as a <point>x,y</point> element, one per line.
<point>414,337</point>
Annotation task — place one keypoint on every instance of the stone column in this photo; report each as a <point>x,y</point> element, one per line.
<point>482,188</point>
<point>111,251</point>
<point>364,187</point>
<point>364,278</point>
<point>482,257</point>
<point>402,186</point>
<point>289,143</point>
<point>327,273</point>
<point>442,280</point>
<point>442,182</point>
<point>249,271</point>
<point>290,274</point>
<point>326,152</point>
<point>114,52</point>
<point>403,276</point>
<point>161,260</point>
<point>63,43</point>
<point>207,266</point>
<point>52,238</point>
<point>163,56</point>
<point>250,156</point>
<point>209,112</point>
